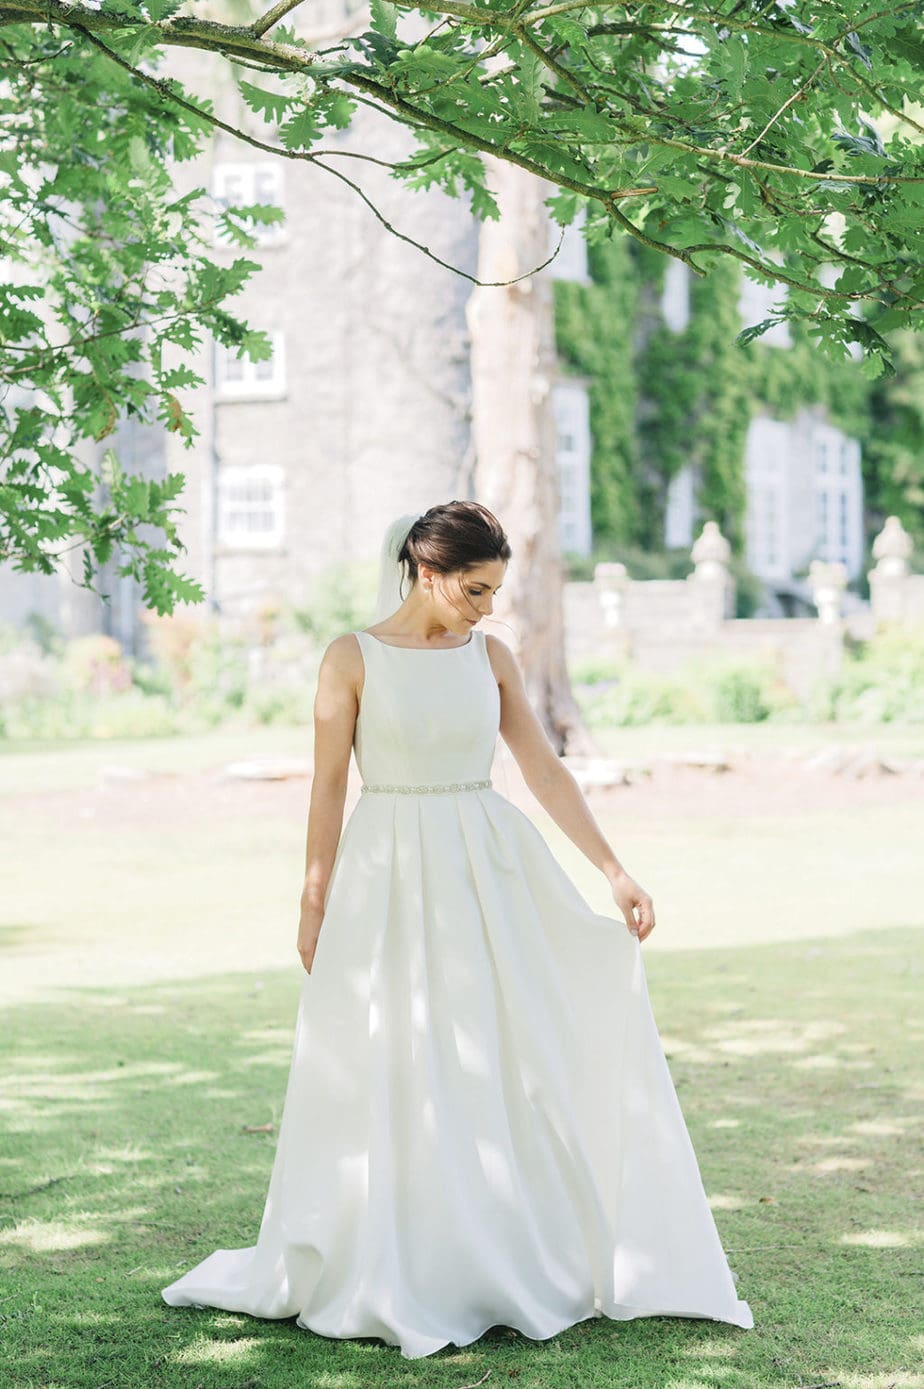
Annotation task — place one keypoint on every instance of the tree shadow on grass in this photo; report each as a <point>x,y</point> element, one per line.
<point>140,1127</point>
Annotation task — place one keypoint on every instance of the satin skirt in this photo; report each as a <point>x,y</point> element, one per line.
<point>480,1126</point>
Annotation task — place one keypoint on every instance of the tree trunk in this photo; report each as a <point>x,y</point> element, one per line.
<point>513,366</point>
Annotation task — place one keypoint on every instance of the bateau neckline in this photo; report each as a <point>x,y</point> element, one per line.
<point>394,647</point>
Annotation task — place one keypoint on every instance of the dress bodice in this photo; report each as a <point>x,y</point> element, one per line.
<point>426,717</point>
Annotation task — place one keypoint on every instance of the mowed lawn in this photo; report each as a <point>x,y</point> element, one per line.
<point>149,985</point>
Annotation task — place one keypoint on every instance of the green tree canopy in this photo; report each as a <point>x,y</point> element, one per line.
<point>778,135</point>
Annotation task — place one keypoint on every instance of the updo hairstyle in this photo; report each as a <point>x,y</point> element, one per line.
<point>455,535</point>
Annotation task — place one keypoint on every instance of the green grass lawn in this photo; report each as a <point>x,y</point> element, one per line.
<point>150,989</point>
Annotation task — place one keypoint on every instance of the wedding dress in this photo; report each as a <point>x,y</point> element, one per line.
<point>480,1127</point>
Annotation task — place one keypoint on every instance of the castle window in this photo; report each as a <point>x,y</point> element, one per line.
<point>843,519</point>
<point>241,183</point>
<point>239,378</point>
<point>675,296</point>
<point>571,408</point>
<point>251,505</point>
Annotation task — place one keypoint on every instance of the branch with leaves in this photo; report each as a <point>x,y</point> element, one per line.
<point>781,137</point>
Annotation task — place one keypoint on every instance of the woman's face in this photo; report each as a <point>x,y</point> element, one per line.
<point>465,596</point>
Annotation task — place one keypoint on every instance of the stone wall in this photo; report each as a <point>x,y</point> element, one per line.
<point>663,624</point>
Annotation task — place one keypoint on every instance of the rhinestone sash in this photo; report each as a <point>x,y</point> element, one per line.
<point>413,790</point>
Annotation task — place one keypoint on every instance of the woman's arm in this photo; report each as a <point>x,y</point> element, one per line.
<point>336,705</point>
<point>556,790</point>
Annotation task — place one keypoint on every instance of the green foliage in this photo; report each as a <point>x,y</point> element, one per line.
<point>882,681</point>
<point>773,139</point>
<point>200,671</point>
<point>893,441</point>
<point>738,696</point>
<point>704,690</point>
<point>95,664</point>
<point>342,597</point>
<point>698,403</point>
<point>123,276</point>
<point>642,697</point>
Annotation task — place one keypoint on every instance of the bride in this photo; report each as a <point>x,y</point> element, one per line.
<point>480,1127</point>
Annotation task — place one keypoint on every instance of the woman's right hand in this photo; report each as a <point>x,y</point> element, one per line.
<point>309,928</point>
<point>635,904</point>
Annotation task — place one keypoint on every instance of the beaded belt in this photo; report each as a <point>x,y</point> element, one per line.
<point>412,790</point>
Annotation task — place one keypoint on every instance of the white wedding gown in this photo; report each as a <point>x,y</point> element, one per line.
<point>480,1126</point>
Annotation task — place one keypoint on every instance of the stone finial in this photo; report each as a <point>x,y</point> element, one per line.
<point>610,575</point>
<point>710,553</point>
<point>827,579</point>
<point>892,549</point>
<point>611,580</point>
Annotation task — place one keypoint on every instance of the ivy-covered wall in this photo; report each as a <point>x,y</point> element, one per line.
<point>595,326</point>
<point>893,445</point>
<point>660,399</point>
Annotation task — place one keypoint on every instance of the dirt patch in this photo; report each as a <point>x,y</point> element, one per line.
<point>765,783</point>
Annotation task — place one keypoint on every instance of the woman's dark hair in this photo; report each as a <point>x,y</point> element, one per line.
<point>455,535</point>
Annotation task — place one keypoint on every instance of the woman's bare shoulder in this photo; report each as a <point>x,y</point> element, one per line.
<point>340,678</point>
<point>503,661</point>
<point>342,658</point>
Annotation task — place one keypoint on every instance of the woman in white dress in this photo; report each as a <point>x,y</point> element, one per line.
<point>480,1127</point>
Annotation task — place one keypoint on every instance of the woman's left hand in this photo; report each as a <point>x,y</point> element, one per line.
<point>635,904</point>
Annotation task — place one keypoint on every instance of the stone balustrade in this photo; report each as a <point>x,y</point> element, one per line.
<point>663,623</point>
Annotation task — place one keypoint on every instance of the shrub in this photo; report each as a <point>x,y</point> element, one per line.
<point>642,697</point>
<point>280,704</point>
<point>701,691</point>
<point>132,715</point>
<point>195,657</point>
<point>95,664</point>
<point>882,680</point>
<point>342,599</point>
<point>737,694</point>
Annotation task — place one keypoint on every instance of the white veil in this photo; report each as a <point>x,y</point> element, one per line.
<point>391,572</point>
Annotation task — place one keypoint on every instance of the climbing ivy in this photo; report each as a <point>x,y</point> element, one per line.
<point>697,404</point>
<point>893,444</point>
<point>594,329</point>
<point>661,399</point>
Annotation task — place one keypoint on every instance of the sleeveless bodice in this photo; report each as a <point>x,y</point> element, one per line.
<point>426,717</point>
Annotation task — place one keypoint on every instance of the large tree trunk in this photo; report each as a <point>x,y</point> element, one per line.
<point>513,369</point>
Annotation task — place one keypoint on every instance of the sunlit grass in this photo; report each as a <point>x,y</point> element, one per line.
<point>145,1052</point>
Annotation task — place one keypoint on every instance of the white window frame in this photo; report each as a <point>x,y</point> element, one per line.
<point>234,536</point>
<point>832,456</point>
<point>239,378</point>
<point>235,182</point>
<point>571,410</point>
<point>675,295</point>
<point>843,523</point>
